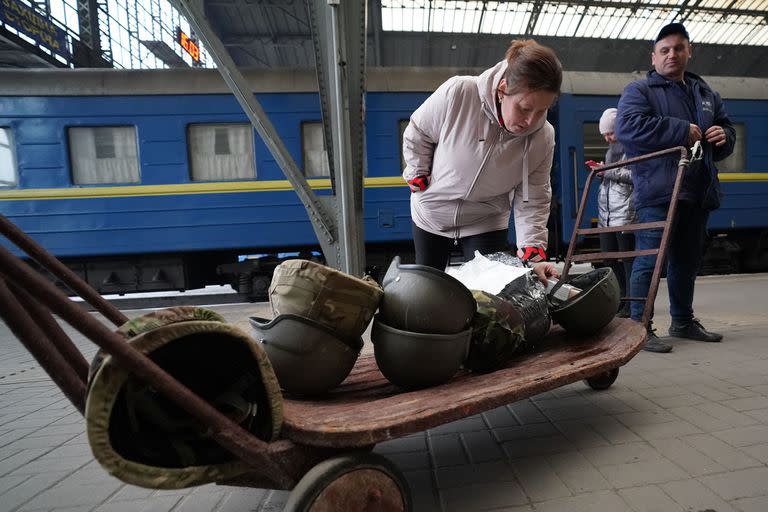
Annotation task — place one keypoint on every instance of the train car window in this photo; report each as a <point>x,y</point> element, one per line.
<point>594,143</point>
<point>313,151</point>
<point>221,152</point>
<point>8,170</point>
<point>737,162</point>
<point>103,154</point>
<point>403,124</point>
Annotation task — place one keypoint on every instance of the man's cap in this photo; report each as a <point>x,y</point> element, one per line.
<point>672,28</point>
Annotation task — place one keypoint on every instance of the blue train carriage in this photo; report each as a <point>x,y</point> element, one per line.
<point>739,228</point>
<point>153,180</point>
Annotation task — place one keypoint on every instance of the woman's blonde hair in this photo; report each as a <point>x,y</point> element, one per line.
<point>533,67</point>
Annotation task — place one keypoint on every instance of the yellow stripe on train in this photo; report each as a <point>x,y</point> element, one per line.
<point>241,186</point>
<point>189,188</point>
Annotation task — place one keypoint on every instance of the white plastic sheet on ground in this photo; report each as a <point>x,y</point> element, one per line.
<point>480,273</point>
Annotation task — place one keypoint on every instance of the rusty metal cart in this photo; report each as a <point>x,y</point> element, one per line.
<point>324,453</point>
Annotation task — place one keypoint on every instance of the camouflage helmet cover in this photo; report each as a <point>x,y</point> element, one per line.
<point>143,438</point>
<point>498,332</point>
<point>342,302</point>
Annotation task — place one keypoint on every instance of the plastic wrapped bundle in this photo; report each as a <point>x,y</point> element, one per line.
<point>529,295</point>
<point>497,333</point>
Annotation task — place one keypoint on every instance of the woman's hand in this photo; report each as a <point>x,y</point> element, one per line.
<point>545,270</point>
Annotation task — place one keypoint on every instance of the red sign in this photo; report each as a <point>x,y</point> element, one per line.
<point>189,45</point>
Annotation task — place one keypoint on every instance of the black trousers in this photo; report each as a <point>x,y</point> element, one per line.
<point>435,250</point>
<point>619,242</point>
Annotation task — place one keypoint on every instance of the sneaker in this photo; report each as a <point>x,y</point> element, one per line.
<point>654,344</point>
<point>693,330</point>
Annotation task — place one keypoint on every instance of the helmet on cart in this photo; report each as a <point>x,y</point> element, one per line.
<point>422,299</point>
<point>594,307</point>
<point>143,438</point>
<point>308,357</point>
<point>339,301</point>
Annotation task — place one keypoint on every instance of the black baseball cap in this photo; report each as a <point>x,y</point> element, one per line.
<point>672,28</point>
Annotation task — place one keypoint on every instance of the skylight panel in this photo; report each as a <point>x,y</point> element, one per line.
<point>405,15</point>
<point>602,22</point>
<point>601,19</point>
<point>731,29</point>
<point>558,20</point>
<point>506,18</point>
<point>455,16</point>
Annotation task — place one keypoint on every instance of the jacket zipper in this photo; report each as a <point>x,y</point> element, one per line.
<point>494,141</point>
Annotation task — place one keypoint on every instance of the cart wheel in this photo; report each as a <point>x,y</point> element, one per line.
<point>351,483</point>
<point>603,380</point>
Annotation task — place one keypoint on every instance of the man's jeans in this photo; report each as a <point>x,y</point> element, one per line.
<point>684,254</point>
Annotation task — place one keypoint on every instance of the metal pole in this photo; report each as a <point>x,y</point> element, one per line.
<point>34,339</point>
<point>58,269</point>
<point>227,433</point>
<point>54,332</point>
<point>326,232</point>
<point>350,257</point>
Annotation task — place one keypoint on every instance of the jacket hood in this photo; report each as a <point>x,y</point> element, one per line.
<point>487,84</point>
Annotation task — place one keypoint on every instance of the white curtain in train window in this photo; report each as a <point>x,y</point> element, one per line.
<point>7,159</point>
<point>737,161</point>
<point>103,154</point>
<point>219,152</point>
<point>313,150</point>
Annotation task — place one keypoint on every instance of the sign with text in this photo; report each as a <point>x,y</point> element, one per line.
<point>190,45</point>
<point>34,25</point>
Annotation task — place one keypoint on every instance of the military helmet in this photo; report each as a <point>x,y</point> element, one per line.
<point>337,300</point>
<point>308,357</point>
<point>142,437</point>
<point>594,307</point>
<point>414,360</point>
<point>418,298</point>
<point>498,332</point>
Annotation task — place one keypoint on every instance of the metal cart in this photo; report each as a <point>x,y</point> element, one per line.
<point>324,453</point>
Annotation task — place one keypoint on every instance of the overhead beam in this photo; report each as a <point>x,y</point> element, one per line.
<point>325,229</point>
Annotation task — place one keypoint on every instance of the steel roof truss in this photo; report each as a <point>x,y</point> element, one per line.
<point>194,12</point>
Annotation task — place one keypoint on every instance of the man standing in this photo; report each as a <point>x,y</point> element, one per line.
<point>673,107</point>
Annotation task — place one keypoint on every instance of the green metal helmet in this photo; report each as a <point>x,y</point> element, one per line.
<point>594,307</point>
<point>308,357</point>
<point>413,360</point>
<point>143,438</point>
<point>418,298</point>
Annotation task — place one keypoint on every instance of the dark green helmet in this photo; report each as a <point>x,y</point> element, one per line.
<point>308,357</point>
<point>143,438</point>
<point>418,298</point>
<point>414,360</point>
<point>594,307</point>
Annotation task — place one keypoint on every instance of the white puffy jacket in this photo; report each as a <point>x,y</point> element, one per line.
<point>615,206</point>
<point>477,170</point>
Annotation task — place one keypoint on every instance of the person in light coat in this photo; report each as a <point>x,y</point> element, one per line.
<point>615,206</point>
<point>479,147</point>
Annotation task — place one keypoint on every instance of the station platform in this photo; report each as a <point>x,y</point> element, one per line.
<point>684,431</point>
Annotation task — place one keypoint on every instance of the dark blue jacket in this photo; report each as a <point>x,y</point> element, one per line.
<point>655,114</point>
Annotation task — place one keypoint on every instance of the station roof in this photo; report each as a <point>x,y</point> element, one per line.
<point>730,37</point>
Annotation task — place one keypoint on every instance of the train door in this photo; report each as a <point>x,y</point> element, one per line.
<point>578,140</point>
